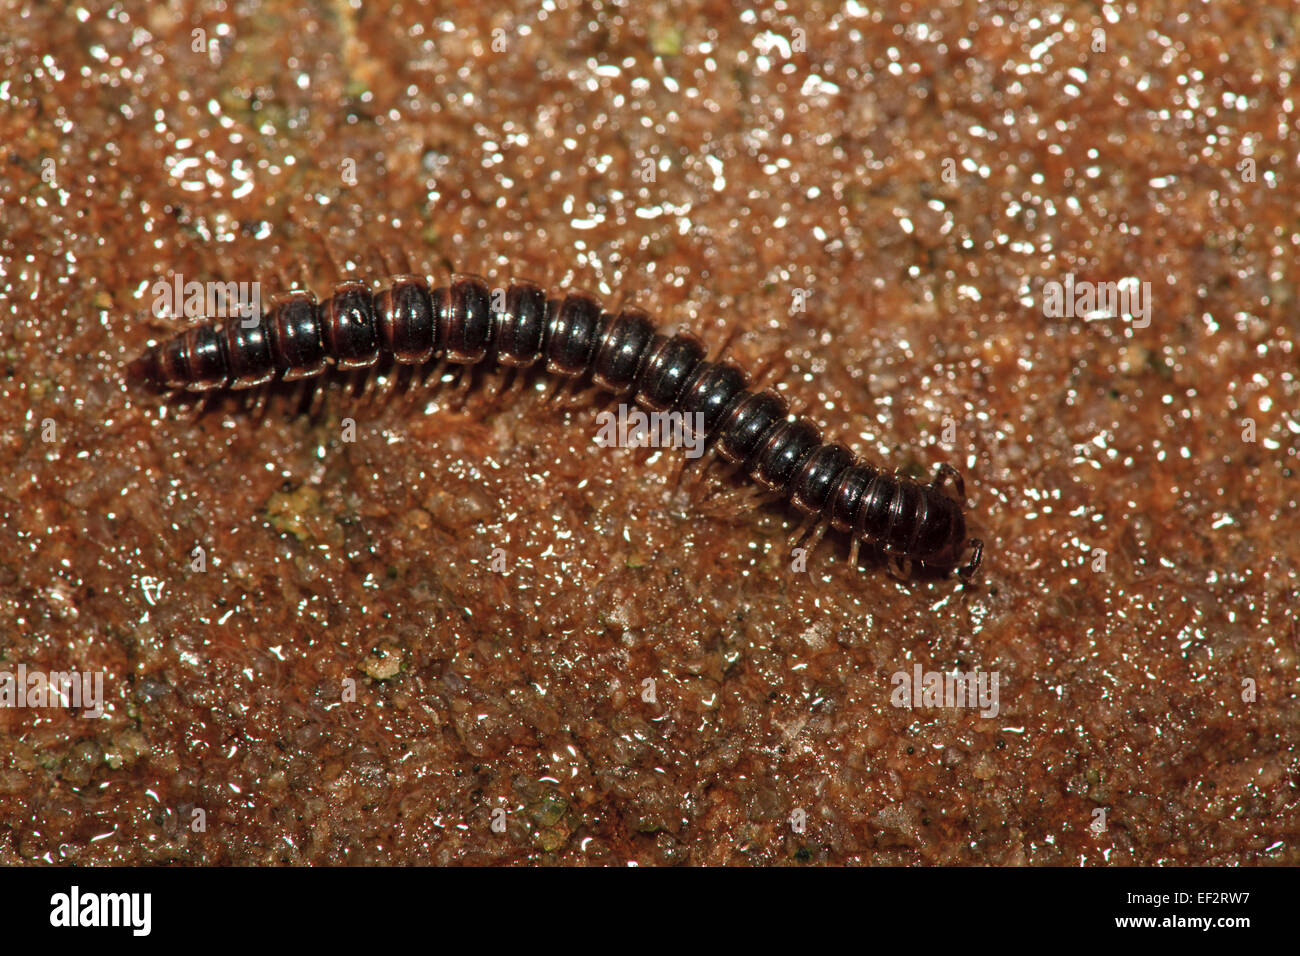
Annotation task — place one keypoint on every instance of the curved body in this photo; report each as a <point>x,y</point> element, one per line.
<point>623,353</point>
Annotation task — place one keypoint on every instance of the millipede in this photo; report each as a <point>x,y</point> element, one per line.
<point>407,320</point>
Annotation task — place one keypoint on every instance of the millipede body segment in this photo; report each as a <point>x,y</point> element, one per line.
<point>464,323</point>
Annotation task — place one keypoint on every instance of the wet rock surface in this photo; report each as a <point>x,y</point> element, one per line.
<point>451,633</point>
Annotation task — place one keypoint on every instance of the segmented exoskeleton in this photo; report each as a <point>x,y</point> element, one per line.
<point>463,323</point>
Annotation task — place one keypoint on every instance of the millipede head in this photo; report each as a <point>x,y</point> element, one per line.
<point>939,536</point>
<point>144,368</point>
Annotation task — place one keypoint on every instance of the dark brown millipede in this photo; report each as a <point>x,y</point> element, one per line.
<point>464,324</point>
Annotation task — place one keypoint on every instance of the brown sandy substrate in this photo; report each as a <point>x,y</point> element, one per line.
<point>923,174</point>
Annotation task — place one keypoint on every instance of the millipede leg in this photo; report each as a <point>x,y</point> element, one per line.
<point>336,269</point>
<point>815,537</point>
<point>205,403</point>
<point>379,255</point>
<point>315,396</point>
<point>703,488</point>
<point>431,369</point>
<point>403,376</point>
<point>967,571</point>
<point>304,279</point>
<point>332,273</point>
<point>693,493</point>
<point>259,405</point>
<point>678,473</point>
<point>687,462</point>
<point>404,261</point>
<point>460,391</point>
<point>734,501</point>
<point>300,397</point>
<point>728,337</point>
<point>855,544</point>
<point>395,261</point>
<point>577,398</point>
<point>558,388</point>
<point>800,532</point>
<point>359,379</point>
<point>770,370</point>
<point>505,384</point>
<point>899,566</point>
